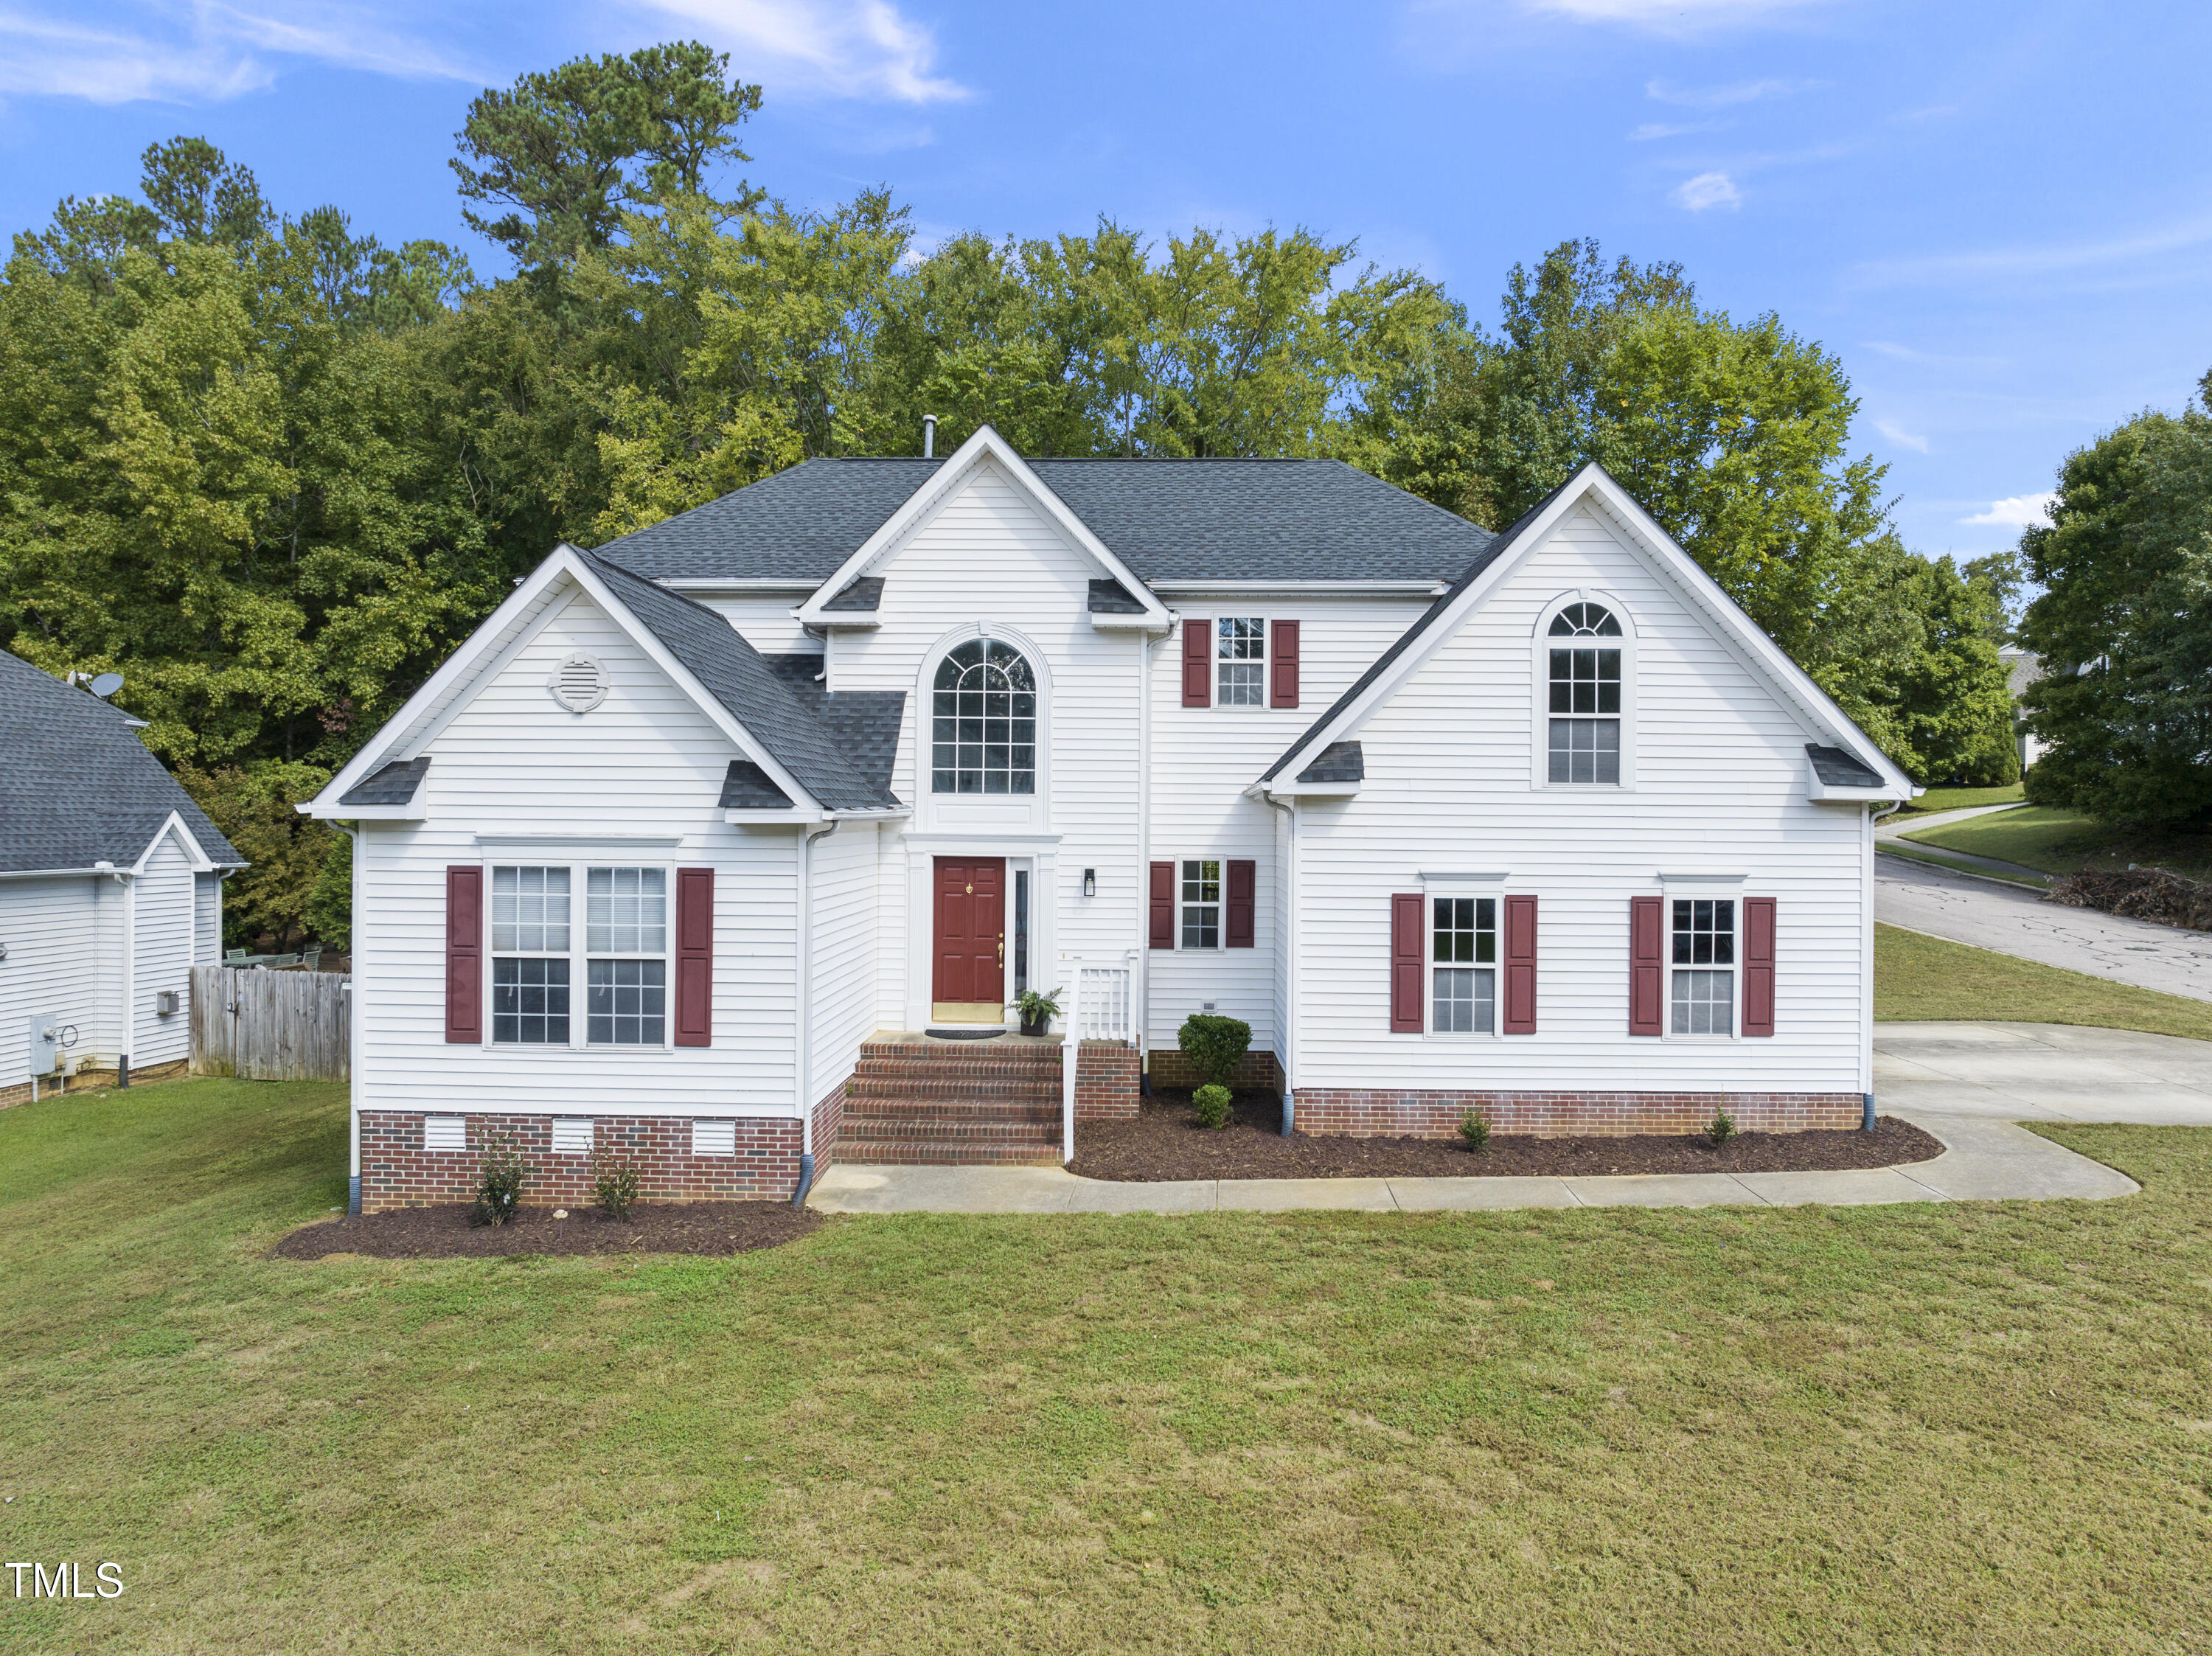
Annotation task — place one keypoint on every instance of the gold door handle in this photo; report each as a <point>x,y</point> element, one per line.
<point>1002,949</point>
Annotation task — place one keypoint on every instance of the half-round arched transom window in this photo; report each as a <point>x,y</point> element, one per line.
<point>1585,695</point>
<point>984,721</point>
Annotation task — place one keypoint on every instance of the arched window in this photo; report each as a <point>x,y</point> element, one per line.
<point>985,721</point>
<point>1585,683</point>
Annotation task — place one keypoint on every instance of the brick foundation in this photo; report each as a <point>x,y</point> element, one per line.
<point>829,1122</point>
<point>1256,1071</point>
<point>396,1172</point>
<point>1359,1113</point>
<point>1108,1080</point>
<point>90,1080</point>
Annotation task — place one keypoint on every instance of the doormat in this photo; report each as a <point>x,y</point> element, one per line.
<point>963,1034</point>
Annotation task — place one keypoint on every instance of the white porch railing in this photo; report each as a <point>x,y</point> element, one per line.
<point>1102,1006</point>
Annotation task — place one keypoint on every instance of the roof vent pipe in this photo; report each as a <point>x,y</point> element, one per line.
<point>928,436</point>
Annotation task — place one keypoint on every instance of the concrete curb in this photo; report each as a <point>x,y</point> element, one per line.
<point>1983,1160</point>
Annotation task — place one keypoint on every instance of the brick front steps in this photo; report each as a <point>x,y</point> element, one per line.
<point>930,1103</point>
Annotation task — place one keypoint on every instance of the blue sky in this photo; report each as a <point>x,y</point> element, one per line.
<point>1996,214</point>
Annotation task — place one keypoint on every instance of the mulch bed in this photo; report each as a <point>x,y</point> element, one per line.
<point>444,1232</point>
<point>1166,1143</point>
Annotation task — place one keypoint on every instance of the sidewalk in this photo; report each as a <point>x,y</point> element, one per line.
<point>1984,1161</point>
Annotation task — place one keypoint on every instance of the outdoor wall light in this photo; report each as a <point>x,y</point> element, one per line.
<point>1090,882</point>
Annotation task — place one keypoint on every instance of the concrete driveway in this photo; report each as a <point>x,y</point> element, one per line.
<point>2041,1072</point>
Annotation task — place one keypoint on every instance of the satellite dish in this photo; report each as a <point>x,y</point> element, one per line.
<point>106,685</point>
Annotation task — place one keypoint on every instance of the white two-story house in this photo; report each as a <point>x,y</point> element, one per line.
<point>686,850</point>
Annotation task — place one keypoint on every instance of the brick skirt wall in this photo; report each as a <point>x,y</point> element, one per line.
<point>1373,1113</point>
<point>396,1172</point>
<point>1108,1080</point>
<point>829,1122</point>
<point>1257,1072</point>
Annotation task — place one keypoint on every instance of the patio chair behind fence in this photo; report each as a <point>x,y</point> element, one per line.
<point>270,1026</point>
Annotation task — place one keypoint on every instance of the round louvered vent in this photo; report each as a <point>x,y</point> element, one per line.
<point>579,683</point>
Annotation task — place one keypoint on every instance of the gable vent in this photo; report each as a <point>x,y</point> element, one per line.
<point>579,683</point>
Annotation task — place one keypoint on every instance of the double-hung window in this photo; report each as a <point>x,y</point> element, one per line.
<point>1703,970</point>
<point>1240,661</point>
<point>530,956</point>
<point>626,938</point>
<point>1583,679</point>
<point>1202,904</point>
<point>1462,966</point>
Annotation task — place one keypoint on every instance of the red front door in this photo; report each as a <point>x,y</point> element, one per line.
<point>971,931</point>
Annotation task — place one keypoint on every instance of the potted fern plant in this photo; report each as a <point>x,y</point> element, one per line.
<point>1038,1010</point>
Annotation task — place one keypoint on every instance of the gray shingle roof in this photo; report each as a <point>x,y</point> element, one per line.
<point>1167,519</point>
<point>1110,597</point>
<point>1491,553</point>
<point>390,785</point>
<point>78,787</point>
<point>1838,770</point>
<point>746,786</point>
<point>1340,761</point>
<point>864,724</point>
<point>861,593</point>
<point>755,695</point>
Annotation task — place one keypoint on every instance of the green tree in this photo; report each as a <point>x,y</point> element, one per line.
<point>2124,624</point>
<point>1952,709</point>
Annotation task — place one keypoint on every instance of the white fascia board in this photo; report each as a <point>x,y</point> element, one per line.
<point>841,621</point>
<point>985,444</point>
<point>1782,673</point>
<point>706,586</point>
<point>1301,789</point>
<point>773,815</point>
<point>1348,722</point>
<point>1163,622</point>
<point>1346,589</point>
<point>1840,793</point>
<point>414,811</point>
<point>175,824</point>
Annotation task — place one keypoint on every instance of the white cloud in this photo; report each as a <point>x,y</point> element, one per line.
<point>2048,259</point>
<point>1707,190</point>
<point>1652,130</point>
<point>845,48</point>
<point>2018,512</point>
<point>1903,437</point>
<point>197,53</point>
<point>1670,16</point>
<point>1720,97</point>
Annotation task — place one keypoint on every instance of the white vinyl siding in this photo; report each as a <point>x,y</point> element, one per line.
<point>1452,782</point>
<point>64,959</point>
<point>163,906</point>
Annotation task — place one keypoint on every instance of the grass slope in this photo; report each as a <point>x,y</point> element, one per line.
<point>1937,799</point>
<point>1970,1429</point>
<point>2061,841</point>
<point>1916,978</point>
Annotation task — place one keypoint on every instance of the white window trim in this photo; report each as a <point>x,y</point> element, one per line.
<point>1690,887</point>
<point>1539,694</point>
<point>1267,662</point>
<point>579,953</point>
<point>1220,907</point>
<point>1434,886</point>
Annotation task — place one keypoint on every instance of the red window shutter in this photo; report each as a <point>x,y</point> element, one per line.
<point>1162,905</point>
<point>1758,966</point>
<point>464,954</point>
<point>695,957</point>
<point>1283,666</point>
<point>1405,913</point>
<point>1647,965</point>
<point>1197,663</point>
<point>1243,885</point>
<point>1520,1017</point>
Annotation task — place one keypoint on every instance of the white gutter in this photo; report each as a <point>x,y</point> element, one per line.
<point>356,1036</point>
<point>802,989</point>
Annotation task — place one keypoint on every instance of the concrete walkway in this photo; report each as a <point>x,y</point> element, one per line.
<point>1921,898</point>
<point>1933,1072</point>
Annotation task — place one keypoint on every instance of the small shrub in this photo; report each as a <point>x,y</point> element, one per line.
<point>499,1184</point>
<point>1474,1127</point>
<point>1721,1128</point>
<point>1212,1104</point>
<point>1213,1046</point>
<point>614,1181</point>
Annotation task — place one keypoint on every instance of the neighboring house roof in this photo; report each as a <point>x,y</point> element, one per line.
<point>2023,668</point>
<point>739,677</point>
<point>1340,761</point>
<point>78,787</point>
<point>1839,770</point>
<point>1244,520</point>
<point>393,785</point>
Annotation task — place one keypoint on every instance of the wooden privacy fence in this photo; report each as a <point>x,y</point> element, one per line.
<point>269,1026</point>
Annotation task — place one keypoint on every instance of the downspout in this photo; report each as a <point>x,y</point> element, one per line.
<point>1286,924</point>
<point>1866,982</point>
<point>1141,998</point>
<point>355,1044</point>
<point>803,990</point>
<point>129,1031</point>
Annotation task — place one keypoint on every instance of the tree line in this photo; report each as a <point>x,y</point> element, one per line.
<point>272,470</point>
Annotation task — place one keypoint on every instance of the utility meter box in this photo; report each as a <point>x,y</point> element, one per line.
<point>165,1002</point>
<point>45,1042</point>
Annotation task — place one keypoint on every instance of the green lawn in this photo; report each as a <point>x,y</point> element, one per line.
<point>1937,799</point>
<point>1917,978</point>
<point>1969,1428</point>
<point>1914,853</point>
<point>2061,841</point>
